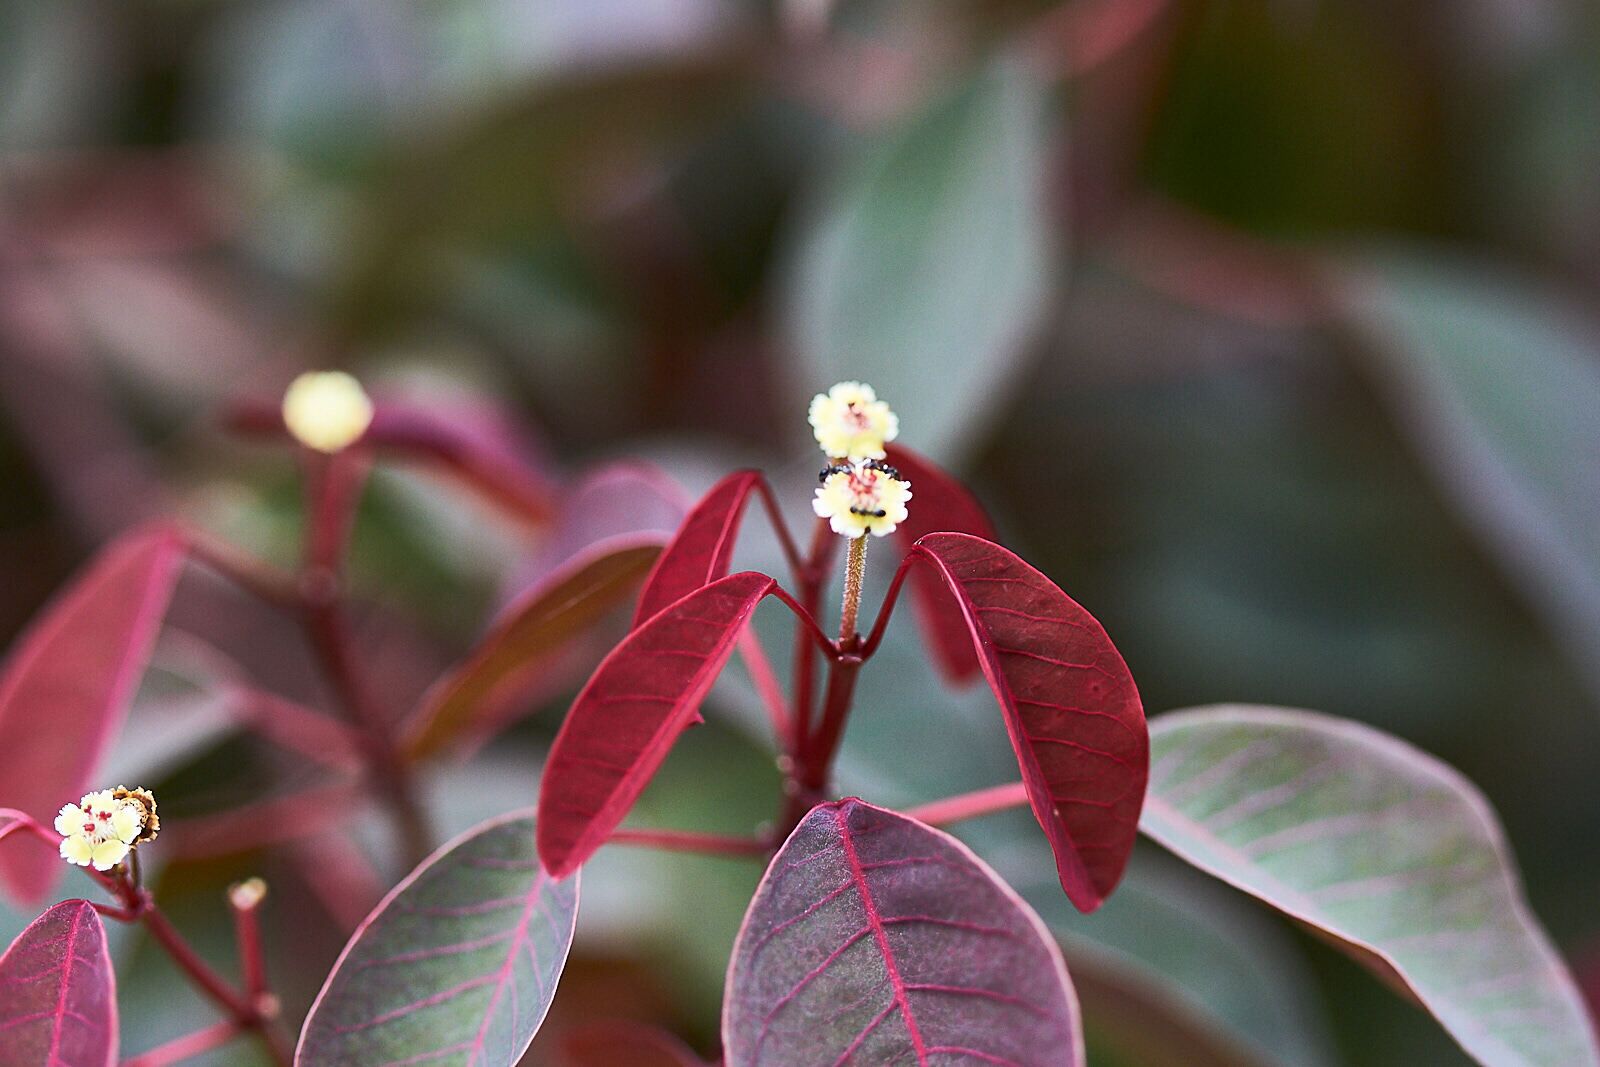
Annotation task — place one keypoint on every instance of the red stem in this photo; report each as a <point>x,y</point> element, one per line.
<point>808,621</point>
<point>300,730</point>
<point>890,597</point>
<point>817,760</point>
<point>980,802</point>
<point>187,1046</point>
<point>801,568</point>
<point>239,1006</point>
<point>691,841</point>
<point>333,485</point>
<point>247,935</point>
<point>766,683</point>
<point>804,652</point>
<point>266,822</point>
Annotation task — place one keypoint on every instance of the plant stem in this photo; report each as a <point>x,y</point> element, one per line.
<point>243,1012</point>
<point>333,486</point>
<point>817,765</point>
<point>855,569</point>
<point>329,633</point>
<point>188,1046</point>
<point>804,651</point>
<point>988,801</point>
<point>691,841</point>
<point>244,900</point>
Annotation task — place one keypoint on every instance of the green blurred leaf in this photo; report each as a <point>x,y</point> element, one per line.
<point>463,956</point>
<point>1388,852</point>
<point>923,263</point>
<point>1496,381</point>
<point>1170,936</point>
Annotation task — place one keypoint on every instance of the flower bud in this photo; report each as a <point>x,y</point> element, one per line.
<point>326,410</point>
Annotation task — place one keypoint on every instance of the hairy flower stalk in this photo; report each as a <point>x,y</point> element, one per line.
<point>855,570</point>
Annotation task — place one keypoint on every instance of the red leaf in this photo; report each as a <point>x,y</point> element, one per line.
<point>874,938</point>
<point>641,697</point>
<point>509,665</point>
<point>942,504</point>
<point>67,686</point>
<point>1069,703</point>
<point>627,497</point>
<point>702,549</point>
<point>473,442</point>
<point>58,996</point>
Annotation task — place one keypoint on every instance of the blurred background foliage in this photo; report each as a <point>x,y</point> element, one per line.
<point>1265,327</point>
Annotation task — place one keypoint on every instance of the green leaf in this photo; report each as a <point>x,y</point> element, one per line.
<point>924,262</point>
<point>1497,383</point>
<point>461,958</point>
<point>1388,852</point>
<point>1171,937</point>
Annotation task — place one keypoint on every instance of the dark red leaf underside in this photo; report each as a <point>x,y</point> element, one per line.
<point>941,504</point>
<point>623,723</point>
<point>58,998</point>
<point>1069,703</point>
<point>702,549</point>
<point>876,939</point>
<point>68,683</point>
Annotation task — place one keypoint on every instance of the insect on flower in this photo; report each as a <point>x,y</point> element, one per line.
<point>863,497</point>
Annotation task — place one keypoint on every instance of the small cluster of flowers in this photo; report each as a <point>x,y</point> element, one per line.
<point>101,829</point>
<point>860,493</point>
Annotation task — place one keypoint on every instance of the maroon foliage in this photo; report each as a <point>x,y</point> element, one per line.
<point>1070,706</point>
<point>702,549</point>
<point>58,997</point>
<point>68,683</point>
<point>876,939</point>
<point>513,662</point>
<point>942,504</point>
<point>640,698</point>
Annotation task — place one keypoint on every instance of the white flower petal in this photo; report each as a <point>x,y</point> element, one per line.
<point>107,854</point>
<point>77,849</point>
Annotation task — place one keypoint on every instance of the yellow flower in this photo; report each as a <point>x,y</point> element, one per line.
<point>850,422</point>
<point>326,410</point>
<point>862,498</point>
<point>102,828</point>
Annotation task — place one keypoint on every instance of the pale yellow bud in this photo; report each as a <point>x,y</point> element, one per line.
<point>248,894</point>
<point>326,410</point>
